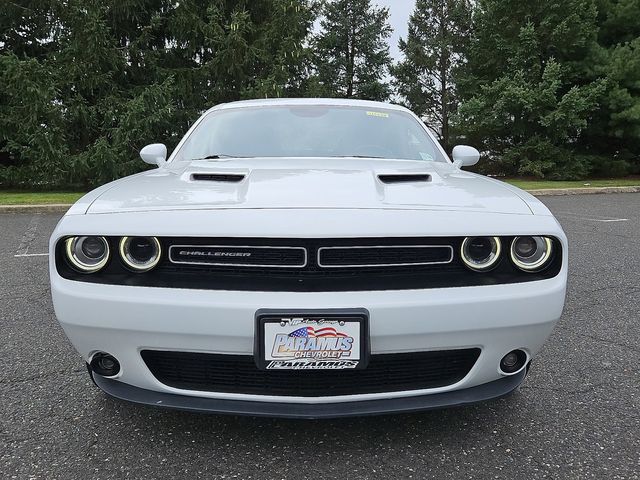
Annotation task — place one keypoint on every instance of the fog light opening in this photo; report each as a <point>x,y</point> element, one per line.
<point>513,362</point>
<point>104,364</point>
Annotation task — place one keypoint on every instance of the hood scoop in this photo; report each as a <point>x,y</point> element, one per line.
<point>391,178</point>
<point>218,177</point>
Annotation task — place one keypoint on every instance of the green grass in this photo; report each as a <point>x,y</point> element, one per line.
<point>544,184</point>
<point>13,197</point>
<point>17,197</point>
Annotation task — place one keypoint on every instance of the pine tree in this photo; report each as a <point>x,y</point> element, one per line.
<point>351,52</point>
<point>613,134</point>
<point>527,99</point>
<point>438,35</point>
<point>31,123</point>
<point>87,83</point>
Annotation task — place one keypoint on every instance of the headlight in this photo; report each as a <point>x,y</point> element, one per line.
<point>531,253</point>
<point>87,254</point>
<point>480,253</point>
<point>140,254</point>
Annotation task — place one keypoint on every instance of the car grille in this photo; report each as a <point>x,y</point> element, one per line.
<point>309,265</point>
<point>297,256</point>
<point>239,374</point>
<point>238,256</point>
<point>329,264</point>
<point>384,256</point>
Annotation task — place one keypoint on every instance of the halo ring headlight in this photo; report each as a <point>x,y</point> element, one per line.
<point>140,254</point>
<point>87,254</point>
<point>480,253</point>
<point>531,253</point>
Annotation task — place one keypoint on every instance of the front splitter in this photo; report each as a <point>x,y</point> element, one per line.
<point>496,389</point>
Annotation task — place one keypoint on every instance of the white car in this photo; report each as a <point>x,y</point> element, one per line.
<point>308,258</point>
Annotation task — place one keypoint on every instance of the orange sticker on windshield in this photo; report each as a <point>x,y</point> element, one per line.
<point>378,114</point>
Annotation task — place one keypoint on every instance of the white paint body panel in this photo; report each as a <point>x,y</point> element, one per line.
<point>308,183</point>
<point>307,198</point>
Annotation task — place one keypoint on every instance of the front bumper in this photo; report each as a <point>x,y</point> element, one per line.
<point>125,320</point>
<point>456,398</point>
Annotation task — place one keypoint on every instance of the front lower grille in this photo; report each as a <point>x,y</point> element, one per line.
<point>239,374</point>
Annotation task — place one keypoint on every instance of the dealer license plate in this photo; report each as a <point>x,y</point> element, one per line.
<point>312,341</point>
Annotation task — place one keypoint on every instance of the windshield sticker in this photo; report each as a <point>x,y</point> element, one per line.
<point>378,114</point>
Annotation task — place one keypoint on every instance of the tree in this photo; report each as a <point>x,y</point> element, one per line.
<point>351,52</point>
<point>527,99</point>
<point>438,36</point>
<point>86,83</point>
<point>27,96</point>
<point>613,133</point>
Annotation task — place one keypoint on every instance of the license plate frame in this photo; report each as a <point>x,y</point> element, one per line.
<point>289,320</point>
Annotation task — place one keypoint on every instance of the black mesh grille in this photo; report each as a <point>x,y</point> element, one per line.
<point>313,277</point>
<point>241,256</point>
<point>239,374</point>
<point>384,256</point>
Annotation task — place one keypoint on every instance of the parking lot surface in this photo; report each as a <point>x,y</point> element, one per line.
<point>577,415</point>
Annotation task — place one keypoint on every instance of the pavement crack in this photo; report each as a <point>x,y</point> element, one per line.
<point>29,234</point>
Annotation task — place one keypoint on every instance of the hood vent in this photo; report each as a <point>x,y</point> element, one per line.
<point>404,178</point>
<point>218,177</point>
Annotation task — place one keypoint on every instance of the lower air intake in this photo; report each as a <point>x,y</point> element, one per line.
<point>239,374</point>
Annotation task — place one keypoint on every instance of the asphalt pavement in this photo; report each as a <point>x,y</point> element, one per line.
<point>576,416</point>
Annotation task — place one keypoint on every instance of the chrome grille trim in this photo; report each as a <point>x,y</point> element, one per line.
<point>248,265</point>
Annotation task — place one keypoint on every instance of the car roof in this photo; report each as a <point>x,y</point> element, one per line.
<point>266,102</point>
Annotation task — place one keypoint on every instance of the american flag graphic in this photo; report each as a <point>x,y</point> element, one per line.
<point>308,332</point>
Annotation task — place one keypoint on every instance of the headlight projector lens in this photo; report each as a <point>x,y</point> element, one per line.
<point>87,254</point>
<point>480,253</point>
<point>140,254</point>
<point>531,253</point>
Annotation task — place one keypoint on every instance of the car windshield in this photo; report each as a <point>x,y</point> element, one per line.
<point>310,131</point>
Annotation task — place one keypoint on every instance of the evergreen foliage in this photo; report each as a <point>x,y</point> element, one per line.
<point>613,133</point>
<point>547,88</point>
<point>351,54</point>
<point>438,38</point>
<point>87,83</point>
<point>527,100</point>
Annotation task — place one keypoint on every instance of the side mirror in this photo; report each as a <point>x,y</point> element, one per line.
<point>465,156</point>
<point>154,154</point>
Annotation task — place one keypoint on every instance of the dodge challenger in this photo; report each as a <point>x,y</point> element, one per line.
<point>308,258</point>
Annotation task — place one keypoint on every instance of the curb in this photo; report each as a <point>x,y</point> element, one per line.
<point>63,207</point>
<point>48,208</point>
<point>583,191</point>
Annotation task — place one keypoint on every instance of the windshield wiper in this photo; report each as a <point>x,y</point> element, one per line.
<point>217,156</point>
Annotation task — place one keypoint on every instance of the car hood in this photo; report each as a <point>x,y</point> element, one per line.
<point>278,183</point>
